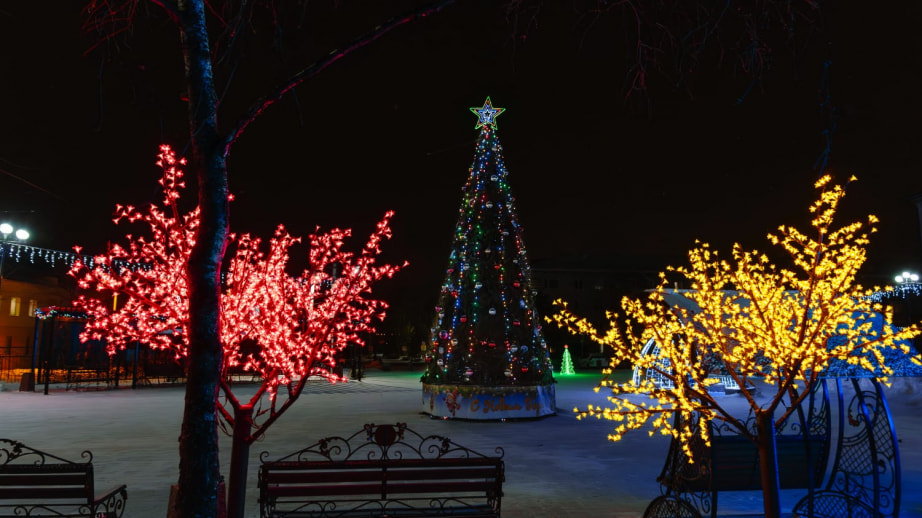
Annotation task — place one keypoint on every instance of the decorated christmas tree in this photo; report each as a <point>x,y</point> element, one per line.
<point>487,355</point>
<point>566,363</point>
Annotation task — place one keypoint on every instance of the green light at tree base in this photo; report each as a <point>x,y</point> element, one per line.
<point>566,363</point>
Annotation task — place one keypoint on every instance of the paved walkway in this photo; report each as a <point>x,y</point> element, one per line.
<point>556,467</point>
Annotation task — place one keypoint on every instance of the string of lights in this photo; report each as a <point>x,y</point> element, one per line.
<point>908,285</point>
<point>21,253</point>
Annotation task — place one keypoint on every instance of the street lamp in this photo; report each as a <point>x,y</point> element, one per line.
<point>6,230</point>
<point>906,277</point>
<point>908,286</point>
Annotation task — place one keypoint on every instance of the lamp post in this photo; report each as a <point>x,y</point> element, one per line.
<point>908,286</point>
<point>18,235</point>
<point>6,230</point>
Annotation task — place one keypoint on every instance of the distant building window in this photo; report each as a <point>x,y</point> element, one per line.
<point>15,306</point>
<point>578,284</point>
<point>33,306</point>
<point>550,283</point>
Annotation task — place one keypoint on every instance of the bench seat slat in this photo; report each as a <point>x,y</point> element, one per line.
<point>735,464</point>
<point>309,477</point>
<point>452,488</point>
<point>28,469</point>
<point>44,493</point>
<point>441,462</point>
<point>43,479</point>
<point>735,461</point>
<point>474,511</point>
<point>447,474</point>
<point>392,473</point>
<point>315,490</point>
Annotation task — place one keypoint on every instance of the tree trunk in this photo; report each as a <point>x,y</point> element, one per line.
<point>199,463</point>
<point>768,464</point>
<point>240,457</point>
<point>199,467</point>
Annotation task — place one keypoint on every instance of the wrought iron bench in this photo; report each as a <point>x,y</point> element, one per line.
<point>864,479</point>
<point>382,470</point>
<point>731,463</point>
<point>34,483</point>
<point>82,375</point>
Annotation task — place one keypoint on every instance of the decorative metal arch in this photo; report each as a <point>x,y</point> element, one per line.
<point>698,485</point>
<point>661,381</point>
<point>858,466</point>
<point>865,475</point>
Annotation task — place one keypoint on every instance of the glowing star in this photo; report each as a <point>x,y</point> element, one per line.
<point>486,114</point>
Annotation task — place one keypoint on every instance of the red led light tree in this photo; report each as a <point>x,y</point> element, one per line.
<point>280,327</point>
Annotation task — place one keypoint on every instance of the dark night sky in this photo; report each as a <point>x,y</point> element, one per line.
<point>389,128</point>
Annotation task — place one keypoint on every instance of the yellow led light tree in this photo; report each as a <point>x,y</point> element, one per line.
<point>753,321</point>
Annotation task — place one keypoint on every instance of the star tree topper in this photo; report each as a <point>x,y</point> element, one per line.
<point>486,114</point>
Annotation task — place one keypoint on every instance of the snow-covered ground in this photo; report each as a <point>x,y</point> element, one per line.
<point>555,467</point>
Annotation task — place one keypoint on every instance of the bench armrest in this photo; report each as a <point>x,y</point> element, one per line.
<point>111,503</point>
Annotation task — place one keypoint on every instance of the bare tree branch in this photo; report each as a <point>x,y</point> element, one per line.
<point>306,73</point>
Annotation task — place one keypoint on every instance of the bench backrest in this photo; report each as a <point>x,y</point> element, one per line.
<point>56,484</point>
<point>380,470</point>
<point>734,463</point>
<point>474,477</point>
